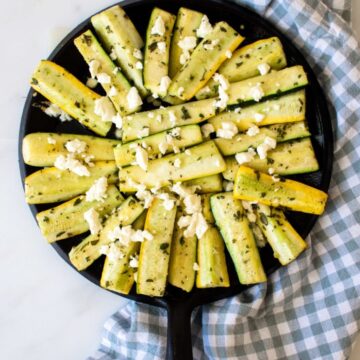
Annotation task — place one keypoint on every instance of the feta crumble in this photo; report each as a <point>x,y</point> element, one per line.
<point>271,171</point>
<point>139,65</point>
<point>117,120</point>
<point>227,131</point>
<point>133,98</point>
<point>51,140</point>
<point>137,54</point>
<point>172,117</point>
<point>113,55</point>
<point>54,111</point>
<point>268,144</point>
<point>205,27</point>
<point>257,92</point>
<point>142,157</point>
<point>92,217</point>
<point>168,202</point>
<point>97,191</point>
<point>143,132</point>
<point>228,54</point>
<point>159,27</point>
<point>91,83</point>
<point>164,84</point>
<point>192,203</point>
<point>228,185</point>
<point>104,108</point>
<point>76,146</point>
<point>134,261</point>
<point>113,91</point>
<point>252,131</point>
<point>259,117</point>
<point>103,78</point>
<point>94,66</point>
<point>180,91</point>
<point>244,157</point>
<point>264,68</point>
<point>186,44</point>
<point>207,129</point>
<point>69,163</point>
<point>161,45</point>
<point>196,267</point>
<point>177,163</point>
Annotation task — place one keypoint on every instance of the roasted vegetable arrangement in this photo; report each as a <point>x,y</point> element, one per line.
<point>205,131</point>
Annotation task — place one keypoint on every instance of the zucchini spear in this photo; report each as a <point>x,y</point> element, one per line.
<point>66,91</point>
<point>252,185</point>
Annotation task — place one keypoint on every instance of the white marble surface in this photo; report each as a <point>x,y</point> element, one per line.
<point>47,310</point>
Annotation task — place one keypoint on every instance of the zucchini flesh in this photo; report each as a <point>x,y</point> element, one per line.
<point>37,151</point>
<point>119,36</point>
<point>274,83</point>
<point>66,91</point>
<point>206,184</point>
<point>189,135</point>
<point>287,108</point>
<point>182,259</point>
<point>252,185</point>
<point>67,220</point>
<point>245,61</point>
<point>280,132</point>
<point>206,208</point>
<point>156,60</point>
<point>154,254</point>
<point>52,185</point>
<point>204,160</point>
<point>204,61</point>
<point>211,259</point>
<point>289,158</point>
<point>163,119</point>
<point>88,250</point>
<point>90,49</point>
<point>187,22</point>
<point>239,239</point>
<point>286,243</point>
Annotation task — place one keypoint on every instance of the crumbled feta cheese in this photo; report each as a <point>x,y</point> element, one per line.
<point>134,262</point>
<point>184,57</point>
<point>252,131</point>
<point>276,107</point>
<point>88,159</point>
<point>181,190</point>
<point>268,144</point>
<point>211,45</point>
<point>51,140</point>
<point>161,45</point>
<point>94,66</point>
<point>192,203</point>
<point>196,267</point>
<point>271,171</point>
<point>244,157</point>
<point>276,178</point>
<point>228,54</point>
<point>159,27</point>
<point>113,251</point>
<point>223,98</point>
<point>97,192</point>
<point>103,78</point>
<point>205,27</point>
<point>257,92</point>
<point>139,65</point>
<point>143,132</point>
<point>104,108</point>
<point>150,115</point>
<point>188,152</point>
<point>92,217</point>
<point>180,91</point>
<point>142,157</point>
<point>133,98</point>
<point>237,110</point>
<point>113,55</point>
<point>259,117</point>
<point>69,163</point>
<point>177,163</point>
<point>76,146</point>
<point>113,91</point>
<point>164,84</point>
<point>54,111</point>
<point>187,43</point>
<point>137,54</point>
<point>198,226</point>
<point>176,132</point>
<point>117,120</point>
<point>172,117</point>
<point>223,82</point>
<point>116,70</point>
<point>168,202</point>
<point>159,118</point>
<point>264,68</point>
<point>144,195</point>
<point>184,221</point>
<point>207,129</point>
<point>228,185</point>
<point>91,83</point>
<point>227,131</point>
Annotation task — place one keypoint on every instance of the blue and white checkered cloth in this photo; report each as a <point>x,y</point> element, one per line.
<point>311,308</point>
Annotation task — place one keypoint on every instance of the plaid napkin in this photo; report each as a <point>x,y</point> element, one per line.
<point>311,308</point>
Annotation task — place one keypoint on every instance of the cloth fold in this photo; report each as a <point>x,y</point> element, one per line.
<point>311,308</point>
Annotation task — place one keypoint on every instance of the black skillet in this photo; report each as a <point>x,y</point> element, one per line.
<point>179,304</point>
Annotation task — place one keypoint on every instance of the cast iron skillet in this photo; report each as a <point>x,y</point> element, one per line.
<point>179,304</point>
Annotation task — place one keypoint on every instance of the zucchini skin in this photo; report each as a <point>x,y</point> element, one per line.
<point>205,160</point>
<point>51,185</point>
<point>72,96</point>
<point>155,254</point>
<point>88,250</point>
<point>245,61</point>
<point>203,63</point>
<point>187,21</point>
<point>67,220</point>
<point>286,243</point>
<point>206,184</point>
<point>252,185</point>
<point>212,262</point>
<point>288,158</point>
<point>280,132</point>
<point>156,62</point>
<point>235,229</point>
<point>182,259</point>
<point>118,34</point>
<point>287,108</point>
<point>90,49</point>
<point>37,151</point>
<point>125,154</point>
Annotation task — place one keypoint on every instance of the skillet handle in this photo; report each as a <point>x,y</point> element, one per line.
<point>179,345</point>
